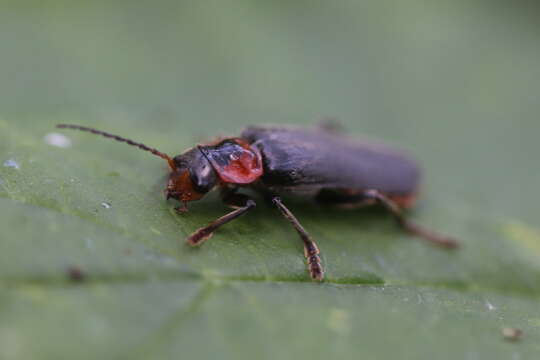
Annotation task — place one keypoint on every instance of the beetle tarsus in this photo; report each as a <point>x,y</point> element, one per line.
<point>311,250</point>
<point>181,209</point>
<point>315,268</point>
<point>199,236</point>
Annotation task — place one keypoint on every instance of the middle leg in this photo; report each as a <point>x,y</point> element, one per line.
<point>311,251</point>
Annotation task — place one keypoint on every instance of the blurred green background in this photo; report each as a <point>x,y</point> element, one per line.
<point>456,82</point>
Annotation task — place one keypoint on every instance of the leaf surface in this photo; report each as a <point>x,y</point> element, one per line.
<point>455,82</point>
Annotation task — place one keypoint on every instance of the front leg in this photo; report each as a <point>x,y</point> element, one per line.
<point>241,203</point>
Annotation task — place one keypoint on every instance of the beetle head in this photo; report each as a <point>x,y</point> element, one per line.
<point>198,170</point>
<point>191,178</point>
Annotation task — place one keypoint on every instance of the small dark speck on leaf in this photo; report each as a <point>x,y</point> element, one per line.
<point>76,274</point>
<point>512,334</point>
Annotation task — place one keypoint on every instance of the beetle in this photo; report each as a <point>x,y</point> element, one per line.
<point>318,163</point>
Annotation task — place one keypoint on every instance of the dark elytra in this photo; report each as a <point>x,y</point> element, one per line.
<point>310,160</point>
<point>317,163</point>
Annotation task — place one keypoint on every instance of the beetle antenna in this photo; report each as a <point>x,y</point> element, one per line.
<point>121,139</point>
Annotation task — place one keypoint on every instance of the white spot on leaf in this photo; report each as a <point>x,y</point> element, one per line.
<point>58,140</point>
<point>106,205</point>
<point>490,306</point>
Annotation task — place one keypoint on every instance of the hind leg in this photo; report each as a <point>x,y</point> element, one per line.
<point>406,224</point>
<point>373,197</point>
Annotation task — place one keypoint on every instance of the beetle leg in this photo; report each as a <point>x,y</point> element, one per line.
<point>231,198</point>
<point>311,251</point>
<point>204,233</point>
<point>407,225</point>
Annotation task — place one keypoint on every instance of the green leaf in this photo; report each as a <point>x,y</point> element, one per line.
<point>455,82</point>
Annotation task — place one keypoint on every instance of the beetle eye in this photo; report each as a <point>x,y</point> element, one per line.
<point>203,177</point>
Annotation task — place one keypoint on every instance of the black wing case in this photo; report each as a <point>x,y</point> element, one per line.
<point>308,160</point>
